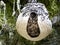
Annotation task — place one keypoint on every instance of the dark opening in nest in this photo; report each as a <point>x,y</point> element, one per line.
<point>32,26</point>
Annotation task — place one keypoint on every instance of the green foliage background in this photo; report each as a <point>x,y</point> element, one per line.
<point>53,7</point>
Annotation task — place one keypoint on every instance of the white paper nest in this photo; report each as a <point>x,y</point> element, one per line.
<point>44,23</point>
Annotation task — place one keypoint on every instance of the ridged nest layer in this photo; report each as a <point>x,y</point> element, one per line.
<point>33,23</point>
